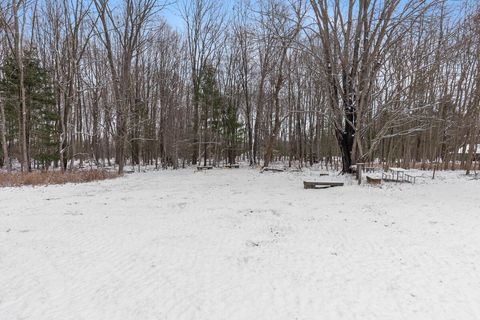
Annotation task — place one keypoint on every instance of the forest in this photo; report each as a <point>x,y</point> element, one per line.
<point>115,83</point>
<point>239,159</point>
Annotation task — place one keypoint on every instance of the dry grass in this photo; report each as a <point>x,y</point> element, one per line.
<point>17,179</point>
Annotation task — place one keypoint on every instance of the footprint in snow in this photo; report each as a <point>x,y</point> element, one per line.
<point>250,243</point>
<point>75,213</point>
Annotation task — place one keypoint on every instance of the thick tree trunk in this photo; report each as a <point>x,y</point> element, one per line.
<point>345,141</point>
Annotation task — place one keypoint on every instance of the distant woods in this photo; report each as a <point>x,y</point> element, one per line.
<point>112,83</point>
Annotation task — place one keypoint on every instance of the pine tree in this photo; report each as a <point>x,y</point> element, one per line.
<point>220,115</point>
<point>42,118</point>
<point>233,132</point>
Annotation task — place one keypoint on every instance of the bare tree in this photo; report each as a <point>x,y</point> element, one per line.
<point>129,36</point>
<point>354,42</point>
<point>3,127</point>
<point>285,27</point>
<point>203,23</point>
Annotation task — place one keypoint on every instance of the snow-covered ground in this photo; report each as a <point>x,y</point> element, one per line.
<point>238,244</point>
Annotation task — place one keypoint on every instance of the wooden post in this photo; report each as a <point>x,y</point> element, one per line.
<point>359,172</point>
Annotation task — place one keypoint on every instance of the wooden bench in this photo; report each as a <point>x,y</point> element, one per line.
<point>232,166</point>
<point>409,178</point>
<point>321,184</point>
<point>390,178</point>
<point>200,168</point>
<point>398,175</point>
<point>273,169</point>
<point>362,166</point>
<point>374,181</point>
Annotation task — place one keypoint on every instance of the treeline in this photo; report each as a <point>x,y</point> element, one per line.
<point>112,83</point>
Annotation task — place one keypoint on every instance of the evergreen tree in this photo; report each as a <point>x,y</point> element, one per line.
<point>232,129</point>
<point>220,115</point>
<point>42,133</point>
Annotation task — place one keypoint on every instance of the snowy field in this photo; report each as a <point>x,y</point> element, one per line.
<point>239,244</point>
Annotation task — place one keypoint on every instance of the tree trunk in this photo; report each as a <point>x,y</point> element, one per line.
<point>3,133</point>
